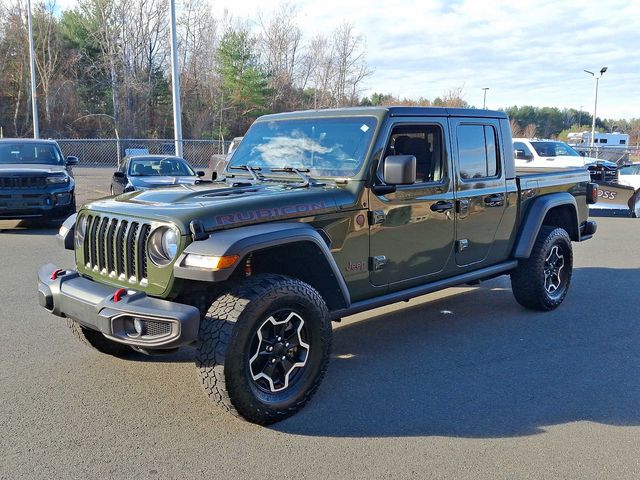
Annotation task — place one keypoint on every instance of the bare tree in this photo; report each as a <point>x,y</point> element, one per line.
<point>279,43</point>
<point>198,41</point>
<point>47,51</point>
<point>516,131</point>
<point>317,70</point>
<point>106,15</point>
<point>529,131</point>
<point>351,69</point>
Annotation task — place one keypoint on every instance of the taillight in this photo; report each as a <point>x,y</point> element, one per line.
<point>592,193</point>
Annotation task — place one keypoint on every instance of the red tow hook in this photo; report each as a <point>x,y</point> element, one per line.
<point>58,273</point>
<point>121,292</point>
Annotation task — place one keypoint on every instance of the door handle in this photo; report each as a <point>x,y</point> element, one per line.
<point>441,206</point>
<point>496,200</point>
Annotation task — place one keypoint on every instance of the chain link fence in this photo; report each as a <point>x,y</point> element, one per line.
<point>108,153</point>
<point>621,156</point>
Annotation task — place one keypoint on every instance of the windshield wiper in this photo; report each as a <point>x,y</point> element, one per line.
<point>251,170</point>
<point>307,180</point>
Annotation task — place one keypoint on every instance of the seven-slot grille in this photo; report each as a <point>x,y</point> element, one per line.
<point>117,248</point>
<point>23,182</point>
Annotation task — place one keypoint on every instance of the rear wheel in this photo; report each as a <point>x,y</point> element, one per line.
<point>97,341</point>
<point>264,348</point>
<point>541,281</point>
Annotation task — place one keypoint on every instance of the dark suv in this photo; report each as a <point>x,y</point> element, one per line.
<point>35,180</point>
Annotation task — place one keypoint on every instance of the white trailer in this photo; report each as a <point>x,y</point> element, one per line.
<point>601,140</point>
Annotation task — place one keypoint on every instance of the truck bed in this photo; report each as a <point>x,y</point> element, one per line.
<point>534,182</point>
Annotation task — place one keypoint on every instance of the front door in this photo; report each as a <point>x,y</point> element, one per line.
<point>412,229</point>
<point>481,193</point>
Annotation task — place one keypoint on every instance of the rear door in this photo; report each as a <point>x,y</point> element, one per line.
<point>480,188</point>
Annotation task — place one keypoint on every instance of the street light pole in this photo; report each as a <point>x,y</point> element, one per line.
<point>595,106</point>
<point>175,82</point>
<point>34,95</point>
<point>484,100</point>
<point>580,117</point>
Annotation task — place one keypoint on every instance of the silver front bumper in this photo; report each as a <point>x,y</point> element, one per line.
<point>166,324</point>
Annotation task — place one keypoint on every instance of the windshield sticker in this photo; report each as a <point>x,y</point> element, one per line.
<point>364,128</point>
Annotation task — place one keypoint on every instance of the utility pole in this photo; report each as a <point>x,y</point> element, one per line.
<point>175,82</point>
<point>595,106</point>
<point>32,64</point>
<point>484,100</point>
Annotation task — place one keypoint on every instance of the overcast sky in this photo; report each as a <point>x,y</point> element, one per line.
<point>527,52</point>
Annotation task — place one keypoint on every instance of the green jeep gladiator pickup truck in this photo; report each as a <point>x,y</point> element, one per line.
<point>321,214</point>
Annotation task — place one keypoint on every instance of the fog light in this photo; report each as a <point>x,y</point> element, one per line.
<point>63,198</point>
<point>135,327</point>
<point>139,326</point>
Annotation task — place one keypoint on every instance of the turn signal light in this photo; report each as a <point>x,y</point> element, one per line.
<point>210,262</point>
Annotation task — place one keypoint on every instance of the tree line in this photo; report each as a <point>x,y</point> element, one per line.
<point>104,67</point>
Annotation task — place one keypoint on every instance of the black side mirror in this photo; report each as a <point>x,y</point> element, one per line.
<point>520,155</point>
<point>71,161</point>
<point>118,174</point>
<point>214,176</point>
<point>200,173</point>
<point>399,170</point>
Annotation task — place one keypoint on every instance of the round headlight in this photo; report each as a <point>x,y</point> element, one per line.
<point>163,245</point>
<point>81,230</point>
<point>170,243</point>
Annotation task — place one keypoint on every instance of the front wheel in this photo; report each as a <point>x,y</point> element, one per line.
<point>264,348</point>
<point>541,281</point>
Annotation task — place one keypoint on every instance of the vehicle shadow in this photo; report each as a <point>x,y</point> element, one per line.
<point>477,364</point>
<point>26,227</point>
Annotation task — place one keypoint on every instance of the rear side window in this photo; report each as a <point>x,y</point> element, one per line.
<point>477,153</point>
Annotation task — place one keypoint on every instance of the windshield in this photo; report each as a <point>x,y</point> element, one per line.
<point>30,153</point>
<point>554,149</point>
<point>328,147</point>
<point>160,166</point>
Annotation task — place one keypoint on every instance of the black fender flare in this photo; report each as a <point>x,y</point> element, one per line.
<point>534,217</point>
<point>242,241</point>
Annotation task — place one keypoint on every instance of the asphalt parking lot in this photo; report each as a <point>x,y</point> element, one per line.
<point>460,384</point>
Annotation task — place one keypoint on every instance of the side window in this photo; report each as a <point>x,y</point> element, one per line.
<point>425,142</point>
<point>523,147</point>
<point>478,157</point>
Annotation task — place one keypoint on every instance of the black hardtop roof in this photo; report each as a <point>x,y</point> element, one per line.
<point>28,140</point>
<point>391,111</point>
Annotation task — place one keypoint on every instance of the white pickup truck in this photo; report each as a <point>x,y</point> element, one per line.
<point>541,153</point>
<point>546,153</point>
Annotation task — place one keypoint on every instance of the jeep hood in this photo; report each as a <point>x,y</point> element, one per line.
<point>226,205</point>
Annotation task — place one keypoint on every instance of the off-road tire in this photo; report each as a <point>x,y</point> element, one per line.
<point>528,280</point>
<point>225,339</point>
<point>97,341</point>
